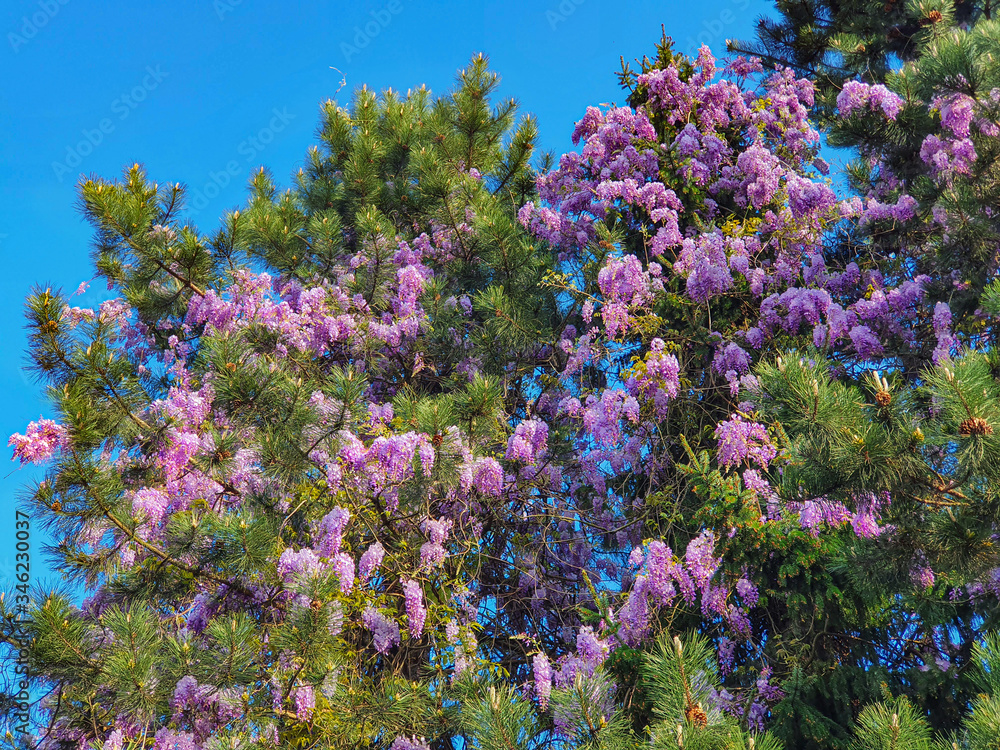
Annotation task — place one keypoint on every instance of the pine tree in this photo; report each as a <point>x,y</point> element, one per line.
<point>832,42</point>
<point>198,411</point>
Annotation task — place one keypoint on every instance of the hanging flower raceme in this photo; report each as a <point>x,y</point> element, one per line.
<point>40,442</point>
<point>743,441</point>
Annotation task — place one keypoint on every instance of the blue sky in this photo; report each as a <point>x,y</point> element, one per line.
<point>203,91</point>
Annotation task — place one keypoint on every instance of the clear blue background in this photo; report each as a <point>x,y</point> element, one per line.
<point>78,72</point>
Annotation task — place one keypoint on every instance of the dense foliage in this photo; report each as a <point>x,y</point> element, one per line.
<point>665,442</point>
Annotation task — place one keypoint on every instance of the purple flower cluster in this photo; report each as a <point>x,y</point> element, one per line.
<point>658,381</point>
<point>384,630</point>
<point>40,441</point>
<point>666,576</point>
<point>329,531</point>
<point>946,341</point>
<point>922,577</point>
<point>705,264</point>
<point>866,516</point>
<point>741,440</point>
<point>602,417</point>
<point>485,475</point>
<point>857,96</point>
<point>343,565</point>
<point>529,441</point>
<point>416,612</point>
<point>168,739</point>
<point>304,697</point>
<point>371,559</point>
<point>301,563</point>
<point>727,655</point>
<point>409,743</point>
<point>948,156</point>
<point>814,513</point>
<point>432,552</point>
<point>625,284</point>
<point>700,558</point>
<point>543,678</point>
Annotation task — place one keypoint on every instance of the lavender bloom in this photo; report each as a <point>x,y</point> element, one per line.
<point>409,743</point>
<point>590,647</point>
<point>819,511</point>
<point>741,440</point>
<point>731,357</point>
<point>922,577</point>
<point>957,112</point>
<point>305,702</point>
<point>659,382</point>
<point>942,330</point>
<point>487,476</point>
<point>167,739</point>
<point>187,694</point>
<point>865,525</point>
<point>762,173</point>
<point>727,655</point>
<point>39,442</point>
<point>866,343</point>
<point>385,631</point>
<point>528,442</point>
<point>329,532</point>
<point>699,558</point>
<point>370,561</point>
<point>865,519</point>
<point>292,563</point>
<point>634,614</point>
<point>857,95</point>
<point>416,613</point>
<point>756,716</point>
<point>766,690</point>
<point>661,570</point>
<point>432,553</point>
<point>747,591</point>
<point>543,678</point>
<point>151,504</point>
<point>343,566</point>
<point>202,609</point>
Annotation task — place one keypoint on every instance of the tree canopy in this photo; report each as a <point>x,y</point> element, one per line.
<point>678,439</point>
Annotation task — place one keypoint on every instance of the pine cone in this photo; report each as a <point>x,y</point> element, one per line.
<point>975,426</point>
<point>882,398</point>
<point>696,715</point>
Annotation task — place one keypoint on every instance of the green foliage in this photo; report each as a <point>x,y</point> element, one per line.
<point>830,42</point>
<point>495,717</point>
<point>679,677</point>
<point>893,725</point>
